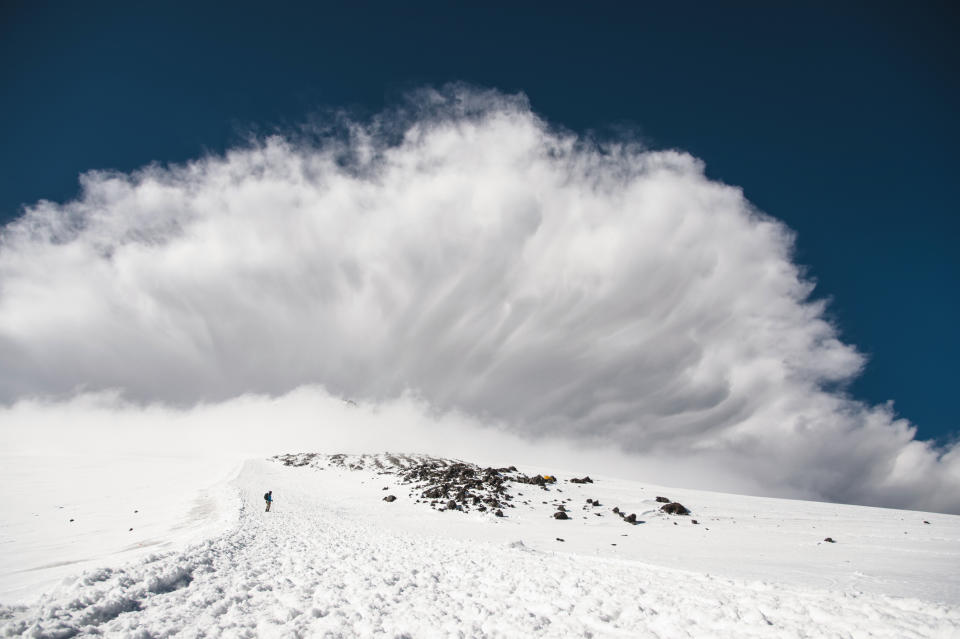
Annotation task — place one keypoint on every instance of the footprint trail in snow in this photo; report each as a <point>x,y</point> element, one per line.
<point>323,565</point>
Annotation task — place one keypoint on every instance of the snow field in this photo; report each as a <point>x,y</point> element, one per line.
<point>67,513</point>
<point>333,560</point>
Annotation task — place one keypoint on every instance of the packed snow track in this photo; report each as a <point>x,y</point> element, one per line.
<point>334,560</point>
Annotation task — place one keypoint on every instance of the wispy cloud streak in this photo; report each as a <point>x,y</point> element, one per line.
<point>464,250</point>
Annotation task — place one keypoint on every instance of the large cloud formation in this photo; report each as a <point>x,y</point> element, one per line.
<point>463,250</point>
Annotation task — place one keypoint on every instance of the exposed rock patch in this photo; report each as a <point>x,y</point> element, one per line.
<point>453,485</point>
<point>675,508</point>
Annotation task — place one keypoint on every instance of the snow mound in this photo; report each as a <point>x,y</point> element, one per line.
<point>452,484</point>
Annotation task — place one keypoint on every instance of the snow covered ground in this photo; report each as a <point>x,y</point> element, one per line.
<point>65,513</point>
<point>334,559</point>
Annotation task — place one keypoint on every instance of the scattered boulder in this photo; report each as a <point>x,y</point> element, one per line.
<point>925,521</point>
<point>583,480</point>
<point>451,505</point>
<point>675,508</point>
<point>830,540</point>
<point>663,500</point>
<point>694,521</point>
<point>390,498</point>
<point>616,509</point>
<point>560,515</point>
<point>538,480</point>
<point>589,501</point>
<point>498,513</point>
<point>130,530</point>
<point>631,518</point>
<point>559,539</point>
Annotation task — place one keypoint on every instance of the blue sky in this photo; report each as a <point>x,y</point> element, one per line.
<point>841,122</point>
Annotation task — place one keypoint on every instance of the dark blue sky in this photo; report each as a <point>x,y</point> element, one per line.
<point>842,122</point>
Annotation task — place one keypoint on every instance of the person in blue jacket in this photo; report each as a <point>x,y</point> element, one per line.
<point>268,497</point>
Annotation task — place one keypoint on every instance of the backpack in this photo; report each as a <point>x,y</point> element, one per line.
<point>266,496</point>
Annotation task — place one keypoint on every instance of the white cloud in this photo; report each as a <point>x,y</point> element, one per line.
<point>466,251</point>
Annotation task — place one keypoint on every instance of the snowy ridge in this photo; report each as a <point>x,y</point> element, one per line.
<point>452,484</point>
<point>457,485</point>
<point>333,559</point>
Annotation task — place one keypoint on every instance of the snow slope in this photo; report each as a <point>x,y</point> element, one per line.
<point>334,559</point>
<point>64,513</point>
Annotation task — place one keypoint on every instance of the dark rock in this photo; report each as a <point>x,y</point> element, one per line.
<point>559,539</point>
<point>451,505</point>
<point>71,520</point>
<point>675,508</point>
<point>616,509</point>
<point>560,515</point>
<point>830,540</point>
<point>589,501</point>
<point>130,530</point>
<point>925,521</point>
<point>562,508</point>
<point>498,513</point>
<point>694,521</point>
<point>584,480</point>
<point>390,498</point>
<point>596,502</point>
<point>631,518</point>
<point>385,488</point>
<point>663,500</point>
